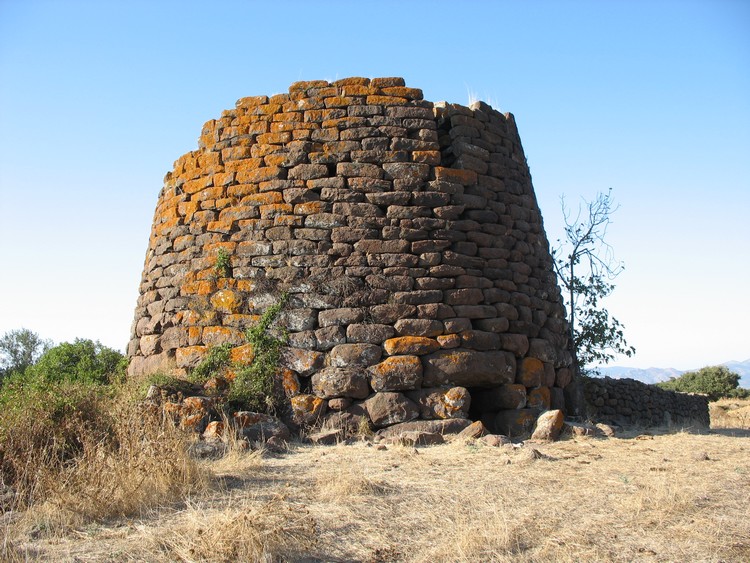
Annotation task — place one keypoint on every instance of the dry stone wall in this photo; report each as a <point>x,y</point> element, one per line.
<point>629,402</point>
<point>406,235</point>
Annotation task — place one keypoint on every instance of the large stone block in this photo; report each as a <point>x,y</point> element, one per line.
<point>330,383</point>
<point>468,368</point>
<point>396,373</point>
<point>509,396</point>
<point>387,408</point>
<point>355,355</point>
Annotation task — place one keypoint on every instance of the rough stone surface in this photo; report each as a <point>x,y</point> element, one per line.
<point>330,383</point>
<point>469,368</point>
<point>450,426</point>
<point>627,402</point>
<point>439,403</point>
<point>396,373</point>
<point>548,426</point>
<point>405,234</point>
<point>387,408</point>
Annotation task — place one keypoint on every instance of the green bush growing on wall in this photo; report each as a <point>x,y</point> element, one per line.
<point>253,385</point>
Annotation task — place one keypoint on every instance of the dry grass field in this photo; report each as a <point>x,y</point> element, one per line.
<point>677,495</point>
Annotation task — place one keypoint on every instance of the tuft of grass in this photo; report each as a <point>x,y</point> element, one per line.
<point>241,530</point>
<point>223,267</point>
<point>75,452</point>
<point>730,414</point>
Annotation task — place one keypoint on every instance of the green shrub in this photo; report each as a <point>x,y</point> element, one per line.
<point>714,381</point>
<point>253,385</point>
<point>82,361</point>
<point>218,357</point>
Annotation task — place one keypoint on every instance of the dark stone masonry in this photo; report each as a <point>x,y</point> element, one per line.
<point>406,235</point>
<point>628,402</point>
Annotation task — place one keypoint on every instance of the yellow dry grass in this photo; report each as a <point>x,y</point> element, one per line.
<point>730,414</point>
<point>650,497</point>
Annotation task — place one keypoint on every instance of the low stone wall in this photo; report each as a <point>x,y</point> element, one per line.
<point>630,402</point>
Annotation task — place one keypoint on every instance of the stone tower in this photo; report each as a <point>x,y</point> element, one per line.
<point>405,234</point>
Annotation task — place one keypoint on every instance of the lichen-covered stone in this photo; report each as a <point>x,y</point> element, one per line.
<point>396,373</point>
<point>435,403</point>
<point>330,383</point>
<point>394,227</point>
<point>468,368</point>
<point>307,409</point>
<point>411,345</point>
<point>386,408</point>
<point>548,426</point>
<point>530,372</point>
<point>355,355</point>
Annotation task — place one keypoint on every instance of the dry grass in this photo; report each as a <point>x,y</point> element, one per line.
<point>731,413</point>
<point>650,497</point>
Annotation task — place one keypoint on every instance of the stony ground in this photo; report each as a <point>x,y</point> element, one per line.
<point>676,496</point>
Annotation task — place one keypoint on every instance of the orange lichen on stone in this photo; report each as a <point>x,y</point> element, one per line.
<point>530,372</point>
<point>190,356</point>
<point>416,345</point>
<point>226,301</point>
<point>304,85</point>
<point>214,430</point>
<point>244,354</point>
<point>386,101</point>
<point>203,287</point>
<point>187,208</point>
<point>196,404</point>
<point>245,285</point>
<point>403,92</point>
<point>458,176</point>
<point>290,382</point>
<point>215,335</point>
<point>426,157</point>
<point>289,220</point>
<point>307,409</point>
<point>448,341</point>
<point>194,334</point>
<point>244,165</point>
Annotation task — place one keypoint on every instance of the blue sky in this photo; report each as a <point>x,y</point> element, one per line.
<point>651,99</point>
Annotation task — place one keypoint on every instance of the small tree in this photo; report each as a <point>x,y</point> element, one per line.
<point>20,349</point>
<point>585,267</point>
<point>714,381</point>
<point>83,361</point>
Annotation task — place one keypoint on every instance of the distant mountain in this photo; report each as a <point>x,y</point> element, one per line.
<point>657,375</point>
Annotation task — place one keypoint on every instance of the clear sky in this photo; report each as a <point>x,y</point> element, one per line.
<point>649,98</point>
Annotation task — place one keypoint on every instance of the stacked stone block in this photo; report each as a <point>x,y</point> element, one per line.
<point>629,402</point>
<point>406,235</point>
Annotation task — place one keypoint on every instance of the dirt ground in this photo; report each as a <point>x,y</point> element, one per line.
<point>681,495</point>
